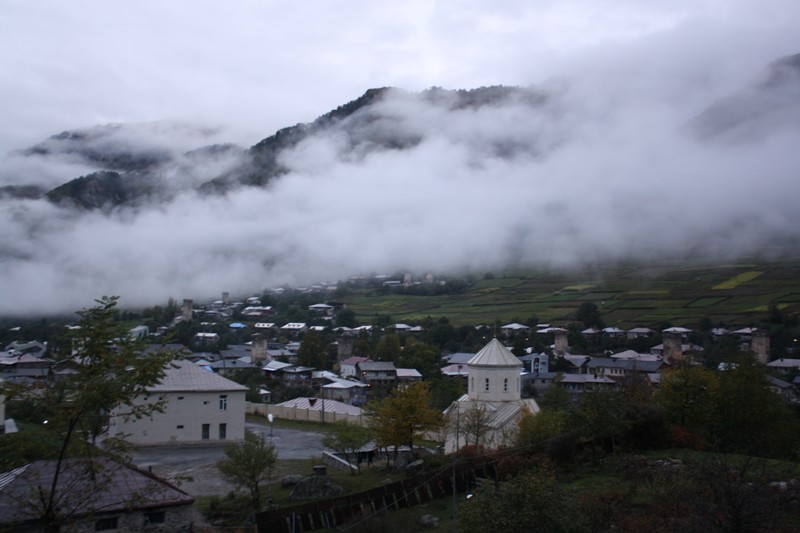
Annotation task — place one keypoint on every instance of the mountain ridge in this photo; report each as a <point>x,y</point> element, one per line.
<point>133,166</point>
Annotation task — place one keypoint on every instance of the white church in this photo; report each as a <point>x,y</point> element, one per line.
<point>493,405</point>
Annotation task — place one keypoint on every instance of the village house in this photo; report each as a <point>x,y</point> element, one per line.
<point>257,311</point>
<point>377,373</point>
<point>272,368</point>
<point>347,367</point>
<point>34,348</point>
<point>407,375</point>
<point>585,382</point>
<point>456,370</point>
<point>619,368</point>
<point>536,373</point>
<point>94,495</point>
<point>344,390</point>
<point>510,329</point>
<point>24,367</point>
<point>785,365</point>
<point>294,328</point>
<point>322,309</point>
<point>199,407</point>
<point>613,332</point>
<point>639,333</point>
<point>296,376</point>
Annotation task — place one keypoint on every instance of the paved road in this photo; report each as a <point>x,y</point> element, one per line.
<point>290,443</point>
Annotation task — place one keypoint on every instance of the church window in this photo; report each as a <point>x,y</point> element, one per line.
<point>486,386</point>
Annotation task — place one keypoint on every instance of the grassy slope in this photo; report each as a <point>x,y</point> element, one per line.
<point>627,295</point>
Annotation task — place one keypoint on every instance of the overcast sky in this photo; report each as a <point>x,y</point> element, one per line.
<point>255,66</point>
<point>629,74</point>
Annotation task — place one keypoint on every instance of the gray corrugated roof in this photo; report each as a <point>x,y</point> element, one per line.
<point>494,354</point>
<point>87,487</point>
<point>375,366</point>
<point>182,375</point>
<point>498,414</point>
<point>625,364</point>
<point>330,406</point>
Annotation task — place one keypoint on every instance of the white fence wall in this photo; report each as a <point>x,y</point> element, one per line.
<point>307,415</point>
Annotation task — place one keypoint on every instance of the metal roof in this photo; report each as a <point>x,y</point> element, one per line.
<point>330,406</point>
<point>494,354</point>
<point>86,487</point>
<point>182,375</point>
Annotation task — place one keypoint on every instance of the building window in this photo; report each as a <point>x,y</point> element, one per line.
<point>206,431</point>
<point>155,517</point>
<point>505,385</point>
<point>486,385</point>
<point>223,431</point>
<point>180,397</point>
<point>223,402</point>
<point>180,427</point>
<point>106,524</point>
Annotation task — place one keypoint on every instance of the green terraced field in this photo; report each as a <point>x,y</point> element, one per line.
<point>627,296</point>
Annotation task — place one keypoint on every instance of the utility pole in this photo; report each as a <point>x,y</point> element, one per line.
<point>271,419</point>
<point>455,460</point>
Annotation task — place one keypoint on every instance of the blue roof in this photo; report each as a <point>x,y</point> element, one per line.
<point>237,325</point>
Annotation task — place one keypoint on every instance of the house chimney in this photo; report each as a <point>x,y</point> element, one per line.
<point>759,345</point>
<point>259,351</point>
<point>561,345</point>
<point>226,298</point>
<point>673,347</point>
<point>187,309</point>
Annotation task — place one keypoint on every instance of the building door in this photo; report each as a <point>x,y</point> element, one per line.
<point>223,430</point>
<point>206,431</point>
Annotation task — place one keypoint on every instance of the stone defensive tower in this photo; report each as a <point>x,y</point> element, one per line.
<point>187,309</point>
<point>259,353</point>
<point>759,345</point>
<point>561,345</point>
<point>673,347</point>
<point>344,347</point>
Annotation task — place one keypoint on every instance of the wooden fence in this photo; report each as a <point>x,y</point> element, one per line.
<point>338,512</point>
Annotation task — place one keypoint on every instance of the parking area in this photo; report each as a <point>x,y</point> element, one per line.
<point>194,467</point>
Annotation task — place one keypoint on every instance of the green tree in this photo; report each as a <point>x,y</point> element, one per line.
<point>536,430</point>
<point>347,438</point>
<point>346,318</point>
<point>599,416</point>
<point>113,375</point>
<point>421,356</point>
<point>445,390</point>
<point>474,424</point>
<point>748,417</point>
<point>389,348</point>
<point>686,394</point>
<point>532,501</point>
<point>401,418</point>
<point>249,463</point>
<point>312,351</point>
<point>362,346</point>
<point>589,315</point>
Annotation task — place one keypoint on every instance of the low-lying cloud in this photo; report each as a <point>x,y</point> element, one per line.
<point>597,170</point>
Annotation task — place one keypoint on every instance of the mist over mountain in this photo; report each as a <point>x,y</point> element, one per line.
<point>564,173</point>
<point>758,111</point>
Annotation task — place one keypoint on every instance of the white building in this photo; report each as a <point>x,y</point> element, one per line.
<point>494,396</point>
<point>199,407</point>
